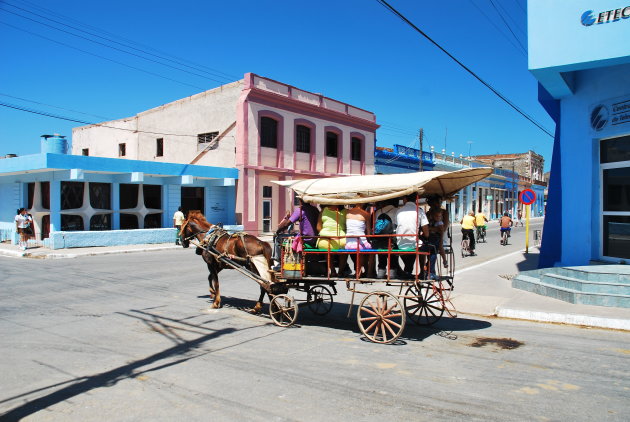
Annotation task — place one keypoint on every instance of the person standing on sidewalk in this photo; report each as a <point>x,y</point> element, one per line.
<point>178,221</point>
<point>22,223</point>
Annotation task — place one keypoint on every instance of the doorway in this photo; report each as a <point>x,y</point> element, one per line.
<point>193,199</point>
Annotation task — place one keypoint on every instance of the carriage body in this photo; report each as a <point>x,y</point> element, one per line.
<point>389,301</point>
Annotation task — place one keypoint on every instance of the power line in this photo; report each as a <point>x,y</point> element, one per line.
<point>106,45</point>
<point>127,42</point>
<point>69,119</point>
<point>518,47</point>
<point>103,57</point>
<point>507,25</point>
<point>486,84</point>
<point>50,105</point>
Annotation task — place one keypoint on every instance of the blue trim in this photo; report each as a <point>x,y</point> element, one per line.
<point>115,165</point>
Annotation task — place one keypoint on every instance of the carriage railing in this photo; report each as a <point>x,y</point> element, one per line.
<point>391,254</point>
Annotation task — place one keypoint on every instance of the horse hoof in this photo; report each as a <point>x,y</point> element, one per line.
<point>256,309</point>
<point>216,305</point>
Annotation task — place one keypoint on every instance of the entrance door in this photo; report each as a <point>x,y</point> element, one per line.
<point>615,197</point>
<point>192,199</point>
<point>266,215</point>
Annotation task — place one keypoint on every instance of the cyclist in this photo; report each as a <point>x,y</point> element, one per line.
<point>468,229</point>
<point>506,224</point>
<point>481,220</point>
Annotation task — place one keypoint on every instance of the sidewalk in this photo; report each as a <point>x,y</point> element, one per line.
<point>484,289</point>
<point>7,249</point>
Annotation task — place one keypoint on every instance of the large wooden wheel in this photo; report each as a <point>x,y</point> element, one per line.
<point>283,310</point>
<point>424,304</point>
<point>319,299</point>
<point>381,317</point>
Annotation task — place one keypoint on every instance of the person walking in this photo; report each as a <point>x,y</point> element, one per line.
<point>23,222</point>
<point>178,221</point>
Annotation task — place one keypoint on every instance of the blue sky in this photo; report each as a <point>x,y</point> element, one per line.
<point>353,51</point>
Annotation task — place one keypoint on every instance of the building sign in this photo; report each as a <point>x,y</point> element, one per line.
<point>589,17</point>
<point>614,112</point>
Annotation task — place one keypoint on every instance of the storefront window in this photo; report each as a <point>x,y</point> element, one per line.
<point>617,236</point>
<point>71,195</point>
<point>71,222</point>
<point>128,196</point>
<point>101,222</point>
<point>100,195</point>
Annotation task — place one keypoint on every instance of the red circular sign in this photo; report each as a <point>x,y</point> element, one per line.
<point>527,197</point>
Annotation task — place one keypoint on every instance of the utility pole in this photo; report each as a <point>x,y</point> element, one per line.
<point>420,139</point>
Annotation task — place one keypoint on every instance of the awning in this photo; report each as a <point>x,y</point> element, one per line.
<point>364,189</point>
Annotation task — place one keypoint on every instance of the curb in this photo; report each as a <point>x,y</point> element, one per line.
<point>570,319</point>
<point>21,254</point>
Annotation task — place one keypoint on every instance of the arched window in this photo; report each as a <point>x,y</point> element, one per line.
<point>332,144</point>
<point>268,132</point>
<point>355,149</point>
<point>302,139</point>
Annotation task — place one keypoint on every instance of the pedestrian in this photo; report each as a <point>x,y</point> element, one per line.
<point>178,222</point>
<point>23,224</point>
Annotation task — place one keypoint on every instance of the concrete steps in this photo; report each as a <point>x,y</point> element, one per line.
<point>604,285</point>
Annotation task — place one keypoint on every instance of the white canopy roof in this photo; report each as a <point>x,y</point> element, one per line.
<point>363,189</point>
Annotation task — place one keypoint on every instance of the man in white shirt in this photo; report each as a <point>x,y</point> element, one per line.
<point>178,221</point>
<point>409,221</point>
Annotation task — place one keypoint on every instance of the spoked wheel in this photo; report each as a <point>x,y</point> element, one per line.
<point>283,310</point>
<point>424,304</point>
<point>319,299</point>
<point>380,317</point>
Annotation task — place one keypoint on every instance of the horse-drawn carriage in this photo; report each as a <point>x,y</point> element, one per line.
<point>381,315</point>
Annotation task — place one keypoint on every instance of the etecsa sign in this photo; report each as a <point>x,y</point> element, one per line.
<point>608,16</point>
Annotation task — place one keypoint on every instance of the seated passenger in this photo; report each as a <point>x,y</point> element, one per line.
<point>332,222</point>
<point>408,219</point>
<point>358,223</point>
<point>385,226</point>
<point>306,215</point>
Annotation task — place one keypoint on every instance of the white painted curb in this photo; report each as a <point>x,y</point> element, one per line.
<point>572,319</point>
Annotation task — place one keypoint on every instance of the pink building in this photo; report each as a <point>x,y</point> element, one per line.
<point>266,129</point>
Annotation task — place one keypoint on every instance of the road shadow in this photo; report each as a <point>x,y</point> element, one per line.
<point>338,319</point>
<point>529,261</point>
<point>173,329</point>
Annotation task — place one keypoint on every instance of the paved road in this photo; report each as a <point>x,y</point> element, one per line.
<point>130,337</point>
<point>492,247</point>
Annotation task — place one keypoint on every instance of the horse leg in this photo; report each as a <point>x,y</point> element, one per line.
<point>215,287</point>
<point>258,306</point>
<point>210,279</point>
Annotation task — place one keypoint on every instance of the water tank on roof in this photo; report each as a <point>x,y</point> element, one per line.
<point>54,144</point>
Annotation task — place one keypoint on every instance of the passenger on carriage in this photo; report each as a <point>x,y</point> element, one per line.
<point>385,225</point>
<point>306,215</point>
<point>358,223</point>
<point>436,235</point>
<point>411,220</point>
<point>332,222</point>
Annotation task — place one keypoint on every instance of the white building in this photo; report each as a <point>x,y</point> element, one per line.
<point>266,129</point>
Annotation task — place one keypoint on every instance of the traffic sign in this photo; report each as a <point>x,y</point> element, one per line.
<point>527,197</point>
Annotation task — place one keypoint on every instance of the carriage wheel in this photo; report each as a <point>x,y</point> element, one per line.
<point>380,317</point>
<point>424,304</point>
<point>319,299</point>
<point>283,310</point>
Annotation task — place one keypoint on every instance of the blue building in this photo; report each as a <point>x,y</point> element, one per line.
<point>95,201</point>
<point>580,53</point>
<point>491,195</point>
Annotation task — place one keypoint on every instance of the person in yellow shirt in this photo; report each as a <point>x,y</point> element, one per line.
<point>481,220</point>
<point>468,230</point>
<point>178,221</point>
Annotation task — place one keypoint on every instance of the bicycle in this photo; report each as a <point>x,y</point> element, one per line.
<point>504,237</point>
<point>466,246</point>
<point>481,234</point>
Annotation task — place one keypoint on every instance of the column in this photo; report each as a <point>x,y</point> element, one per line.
<point>55,206</point>
<point>115,206</point>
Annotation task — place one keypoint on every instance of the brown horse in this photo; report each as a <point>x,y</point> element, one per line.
<point>247,250</point>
